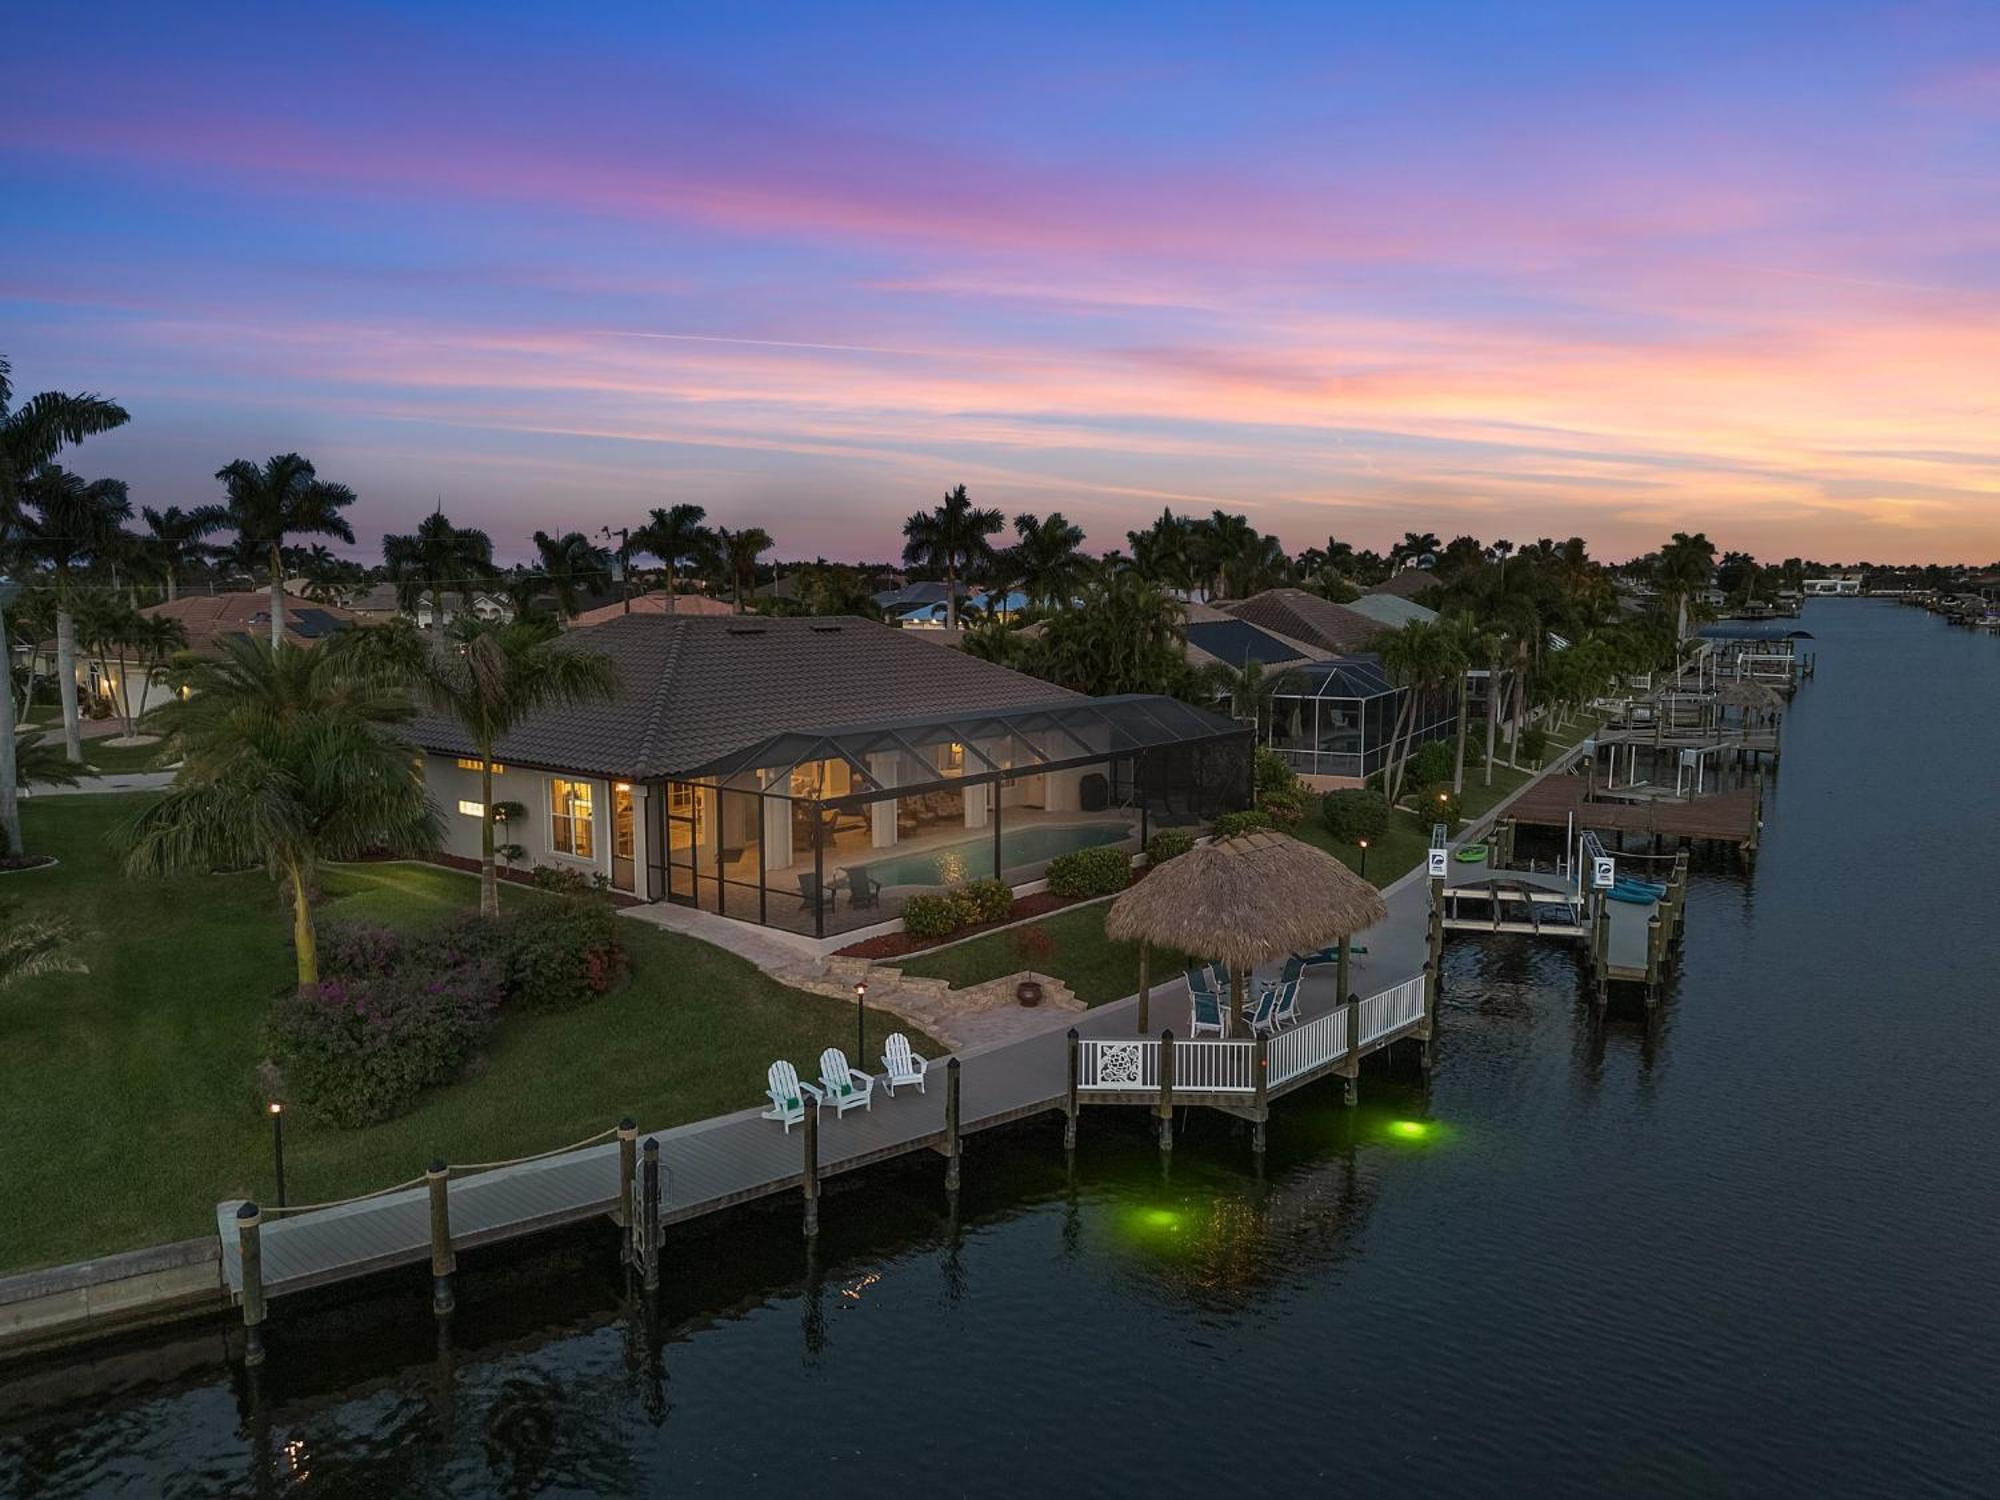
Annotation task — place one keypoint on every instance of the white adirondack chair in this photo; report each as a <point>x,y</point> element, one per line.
<point>843,1086</point>
<point>788,1095</point>
<point>900,1064</point>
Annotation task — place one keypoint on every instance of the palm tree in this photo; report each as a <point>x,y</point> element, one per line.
<point>1163,553</point>
<point>740,551</point>
<point>285,498</point>
<point>677,538</point>
<point>115,633</point>
<point>290,759</point>
<point>1047,559</point>
<point>173,541</point>
<point>1249,689</point>
<point>950,540</point>
<point>1686,565</point>
<point>1420,658</point>
<point>1413,549</point>
<point>437,558</point>
<point>32,435</point>
<point>489,680</point>
<point>38,945</point>
<point>76,522</point>
<point>1125,635</point>
<point>572,567</point>
<point>1472,645</point>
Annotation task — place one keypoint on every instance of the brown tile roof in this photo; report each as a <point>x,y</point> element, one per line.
<point>693,687</point>
<point>1307,617</point>
<point>1407,584</point>
<point>209,617</point>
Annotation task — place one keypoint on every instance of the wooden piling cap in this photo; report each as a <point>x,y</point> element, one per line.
<point>1246,900</point>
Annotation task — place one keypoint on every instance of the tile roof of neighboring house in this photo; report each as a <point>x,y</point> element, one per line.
<point>1391,610</point>
<point>654,604</point>
<point>1407,584</point>
<point>1308,618</point>
<point>209,617</point>
<point>693,687</point>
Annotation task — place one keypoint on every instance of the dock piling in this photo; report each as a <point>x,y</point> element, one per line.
<point>951,1126</point>
<point>1260,1070</point>
<point>1069,1099</point>
<point>628,1153</point>
<point>1165,1108</point>
<point>809,1180</point>
<point>250,1248</point>
<point>444,1260</point>
<point>1351,1091</point>
<point>649,1216</point>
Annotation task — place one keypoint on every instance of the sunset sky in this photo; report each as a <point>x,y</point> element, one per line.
<point>1515,269</point>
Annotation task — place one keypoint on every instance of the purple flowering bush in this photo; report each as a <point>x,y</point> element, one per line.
<point>386,1021</point>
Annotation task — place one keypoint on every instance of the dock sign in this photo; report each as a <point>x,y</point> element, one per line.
<point>1440,863</point>
<point>1603,872</point>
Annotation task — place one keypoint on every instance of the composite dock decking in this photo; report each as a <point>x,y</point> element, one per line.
<point>1553,802</point>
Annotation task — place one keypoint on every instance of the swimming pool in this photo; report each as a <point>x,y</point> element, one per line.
<point>972,859</point>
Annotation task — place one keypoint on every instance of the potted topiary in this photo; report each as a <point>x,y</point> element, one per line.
<point>1033,947</point>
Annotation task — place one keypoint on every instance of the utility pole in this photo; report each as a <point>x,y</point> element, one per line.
<point>624,535</point>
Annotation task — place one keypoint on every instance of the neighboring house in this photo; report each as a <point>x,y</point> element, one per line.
<point>380,601</point>
<point>815,773</point>
<point>1218,638</point>
<point>1843,585</point>
<point>1391,611</point>
<point>1407,584</point>
<point>1337,629</point>
<point>656,603</point>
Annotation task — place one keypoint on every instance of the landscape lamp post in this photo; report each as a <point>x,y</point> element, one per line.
<point>1364,857</point>
<point>860,1023</point>
<point>278,1147</point>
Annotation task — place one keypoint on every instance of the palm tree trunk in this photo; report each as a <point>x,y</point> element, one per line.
<point>1492,714</point>
<point>1393,775</point>
<point>305,935</point>
<point>173,587</point>
<point>277,600</point>
<point>1458,760</point>
<point>950,596</point>
<point>489,874</point>
<point>10,804</point>
<point>66,684</point>
<point>437,615</point>
<point>670,585</point>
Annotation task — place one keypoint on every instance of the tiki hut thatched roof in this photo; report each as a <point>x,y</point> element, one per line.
<point>1247,900</point>
<point>1747,693</point>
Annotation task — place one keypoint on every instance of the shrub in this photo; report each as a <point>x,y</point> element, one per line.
<point>936,914</point>
<point>1284,806</point>
<point>1167,844</point>
<point>1229,825</point>
<point>358,1049</point>
<point>1534,744</point>
<point>1429,762</point>
<point>989,900</point>
<point>1271,774</point>
<point>1090,872</point>
<point>351,949</point>
<point>561,880</point>
<point>1354,813</point>
<point>549,956</point>
<point>1437,805</point>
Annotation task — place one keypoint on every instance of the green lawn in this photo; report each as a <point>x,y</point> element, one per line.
<point>129,1103</point>
<point>113,760</point>
<point>1097,969</point>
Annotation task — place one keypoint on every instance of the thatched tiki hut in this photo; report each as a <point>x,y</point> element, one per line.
<point>1752,699</point>
<point>1245,901</point>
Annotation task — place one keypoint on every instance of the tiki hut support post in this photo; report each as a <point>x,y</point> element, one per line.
<point>1145,987</point>
<point>1340,979</point>
<point>1235,1011</point>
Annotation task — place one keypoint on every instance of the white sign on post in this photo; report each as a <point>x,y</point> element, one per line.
<point>1603,872</point>
<point>1440,863</point>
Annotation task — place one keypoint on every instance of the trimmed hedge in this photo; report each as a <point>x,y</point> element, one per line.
<point>1429,762</point>
<point>1534,744</point>
<point>989,900</point>
<point>935,914</point>
<point>1355,813</point>
<point>1101,871</point>
<point>1167,844</point>
<point>1229,825</point>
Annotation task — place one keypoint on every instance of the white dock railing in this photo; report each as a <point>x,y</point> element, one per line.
<point>1132,1065</point>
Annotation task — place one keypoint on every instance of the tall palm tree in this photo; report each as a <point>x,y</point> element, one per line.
<point>1420,658</point>
<point>572,567</point>
<point>1048,559</point>
<point>438,558</point>
<point>32,435</point>
<point>487,681</point>
<point>1686,566</point>
<point>952,539</point>
<point>173,542</point>
<point>677,537</point>
<point>740,551</point>
<point>1414,548</point>
<point>290,758</point>
<point>76,522</point>
<point>1163,553</point>
<point>283,499</point>
<point>1473,646</point>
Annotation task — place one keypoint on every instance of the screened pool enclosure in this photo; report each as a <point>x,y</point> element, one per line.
<point>1338,717</point>
<point>825,832</point>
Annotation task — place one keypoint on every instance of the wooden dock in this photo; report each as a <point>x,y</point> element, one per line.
<point>1557,801</point>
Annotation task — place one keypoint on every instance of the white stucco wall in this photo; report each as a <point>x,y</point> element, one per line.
<point>449,786</point>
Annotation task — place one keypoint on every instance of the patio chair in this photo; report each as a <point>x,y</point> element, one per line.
<point>809,893</point>
<point>863,889</point>
<point>900,1064</point>
<point>844,1086</point>
<point>1206,1014</point>
<point>1287,1011</point>
<point>788,1095</point>
<point>1263,1016</point>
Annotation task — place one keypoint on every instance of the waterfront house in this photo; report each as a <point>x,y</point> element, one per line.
<point>814,773</point>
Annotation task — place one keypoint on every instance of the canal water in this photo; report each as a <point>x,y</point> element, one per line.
<point>1747,1242</point>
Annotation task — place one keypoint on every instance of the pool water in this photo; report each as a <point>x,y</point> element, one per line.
<point>972,859</point>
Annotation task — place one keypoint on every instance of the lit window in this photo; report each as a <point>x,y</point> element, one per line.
<point>954,756</point>
<point>472,764</point>
<point>473,809</point>
<point>571,830</point>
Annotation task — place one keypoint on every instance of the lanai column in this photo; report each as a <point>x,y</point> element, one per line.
<point>882,815</point>
<point>777,821</point>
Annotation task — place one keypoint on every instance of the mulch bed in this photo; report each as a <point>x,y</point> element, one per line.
<point>15,863</point>
<point>902,945</point>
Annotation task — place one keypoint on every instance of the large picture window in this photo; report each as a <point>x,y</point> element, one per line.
<point>571,829</point>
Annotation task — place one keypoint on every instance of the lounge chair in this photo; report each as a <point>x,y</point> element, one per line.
<point>1206,1014</point>
<point>900,1064</point>
<point>788,1095</point>
<point>844,1086</point>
